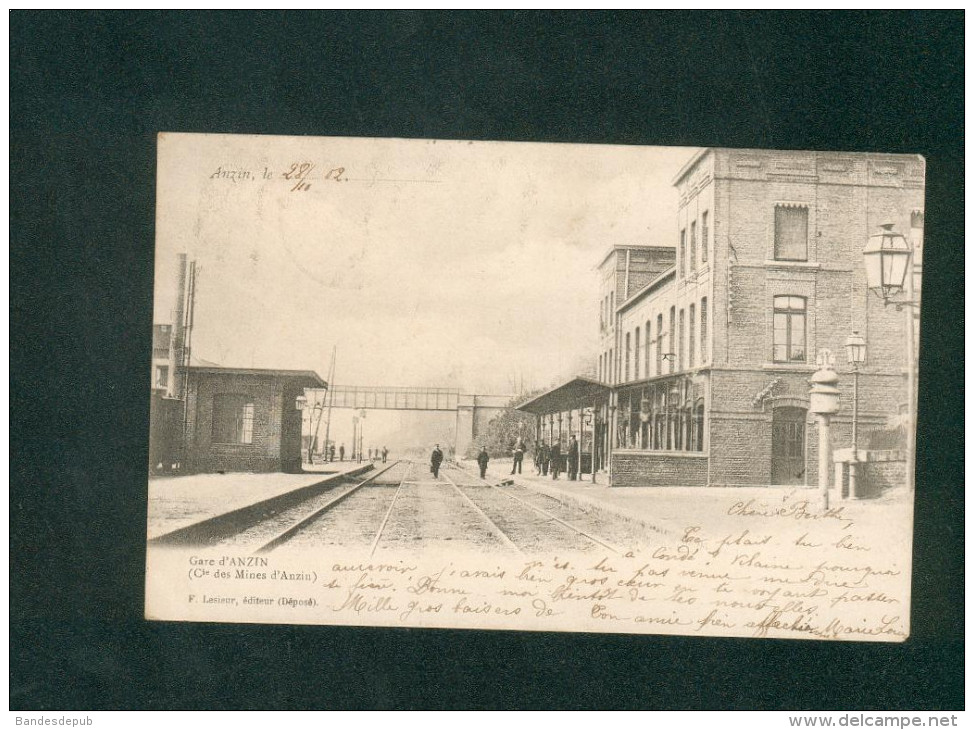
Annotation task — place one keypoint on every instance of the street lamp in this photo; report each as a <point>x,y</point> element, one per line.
<point>888,260</point>
<point>855,347</point>
<point>887,257</point>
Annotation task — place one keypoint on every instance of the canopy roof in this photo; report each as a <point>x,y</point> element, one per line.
<point>308,378</point>
<point>579,392</point>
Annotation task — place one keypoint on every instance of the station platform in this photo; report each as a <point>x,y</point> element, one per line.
<point>177,502</point>
<point>671,509</point>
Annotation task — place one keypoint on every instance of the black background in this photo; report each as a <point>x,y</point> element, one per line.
<point>88,94</point>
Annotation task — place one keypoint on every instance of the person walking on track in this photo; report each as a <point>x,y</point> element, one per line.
<point>436,458</point>
<point>482,458</point>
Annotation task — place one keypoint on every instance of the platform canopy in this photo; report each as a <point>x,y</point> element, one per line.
<point>579,392</point>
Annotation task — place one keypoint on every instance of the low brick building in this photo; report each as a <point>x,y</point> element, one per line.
<point>244,419</point>
<point>708,344</point>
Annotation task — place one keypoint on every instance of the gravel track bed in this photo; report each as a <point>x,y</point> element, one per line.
<point>611,528</point>
<point>530,530</point>
<point>277,522</point>
<point>433,516</point>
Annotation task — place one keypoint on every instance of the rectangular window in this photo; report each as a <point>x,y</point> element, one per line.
<point>162,376</point>
<point>691,337</point>
<point>681,351</point>
<point>703,330</point>
<point>789,329</point>
<point>233,419</point>
<point>683,253</point>
<point>791,233</point>
<point>704,236</point>
<point>693,246</point>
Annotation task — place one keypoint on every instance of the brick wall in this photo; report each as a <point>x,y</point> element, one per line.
<point>883,471</point>
<point>272,424</point>
<point>847,197</point>
<point>657,469</point>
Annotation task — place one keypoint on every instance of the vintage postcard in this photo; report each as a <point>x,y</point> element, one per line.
<point>551,387</point>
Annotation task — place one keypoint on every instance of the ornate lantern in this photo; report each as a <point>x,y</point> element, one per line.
<point>855,347</point>
<point>887,258</point>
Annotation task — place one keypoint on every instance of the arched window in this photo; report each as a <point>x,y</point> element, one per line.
<point>636,352</point>
<point>681,352</point>
<point>698,426</point>
<point>628,356</point>
<point>647,356</point>
<point>703,330</point>
<point>704,236</point>
<point>659,345</point>
<point>670,338</point>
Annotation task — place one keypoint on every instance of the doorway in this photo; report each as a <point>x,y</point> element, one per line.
<point>788,445</point>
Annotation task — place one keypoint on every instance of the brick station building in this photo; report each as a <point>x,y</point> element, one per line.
<point>707,345</point>
<point>244,419</point>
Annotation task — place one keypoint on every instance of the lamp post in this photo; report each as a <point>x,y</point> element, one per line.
<point>855,347</point>
<point>361,430</point>
<point>823,401</point>
<point>888,259</point>
<point>300,403</point>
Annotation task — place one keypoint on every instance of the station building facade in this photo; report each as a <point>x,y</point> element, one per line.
<point>707,345</point>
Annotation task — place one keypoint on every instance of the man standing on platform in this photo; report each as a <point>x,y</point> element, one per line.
<point>436,458</point>
<point>572,459</point>
<point>518,456</point>
<point>341,452</point>
<point>555,459</point>
<point>482,458</point>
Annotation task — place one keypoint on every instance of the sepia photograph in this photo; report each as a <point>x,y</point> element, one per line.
<point>549,387</point>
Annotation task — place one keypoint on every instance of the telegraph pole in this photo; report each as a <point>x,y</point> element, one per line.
<point>330,396</point>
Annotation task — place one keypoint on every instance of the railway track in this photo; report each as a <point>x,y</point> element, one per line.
<point>529,526</point>
<point>402,507</point>
<point>298,532</point>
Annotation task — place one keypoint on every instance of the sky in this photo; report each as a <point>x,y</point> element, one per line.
<point>425,263</point>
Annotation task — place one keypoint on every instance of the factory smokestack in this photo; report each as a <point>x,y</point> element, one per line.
<point>177,350</point>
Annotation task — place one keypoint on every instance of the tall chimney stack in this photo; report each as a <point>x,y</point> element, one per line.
<point>177,352</point>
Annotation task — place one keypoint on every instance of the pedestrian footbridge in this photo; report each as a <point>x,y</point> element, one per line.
<point>473,411</point>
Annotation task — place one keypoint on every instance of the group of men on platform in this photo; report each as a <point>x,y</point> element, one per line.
<point>550,458</point>
<point>545,459</point>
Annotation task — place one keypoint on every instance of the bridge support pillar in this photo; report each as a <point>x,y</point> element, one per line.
<point>465,424</point>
